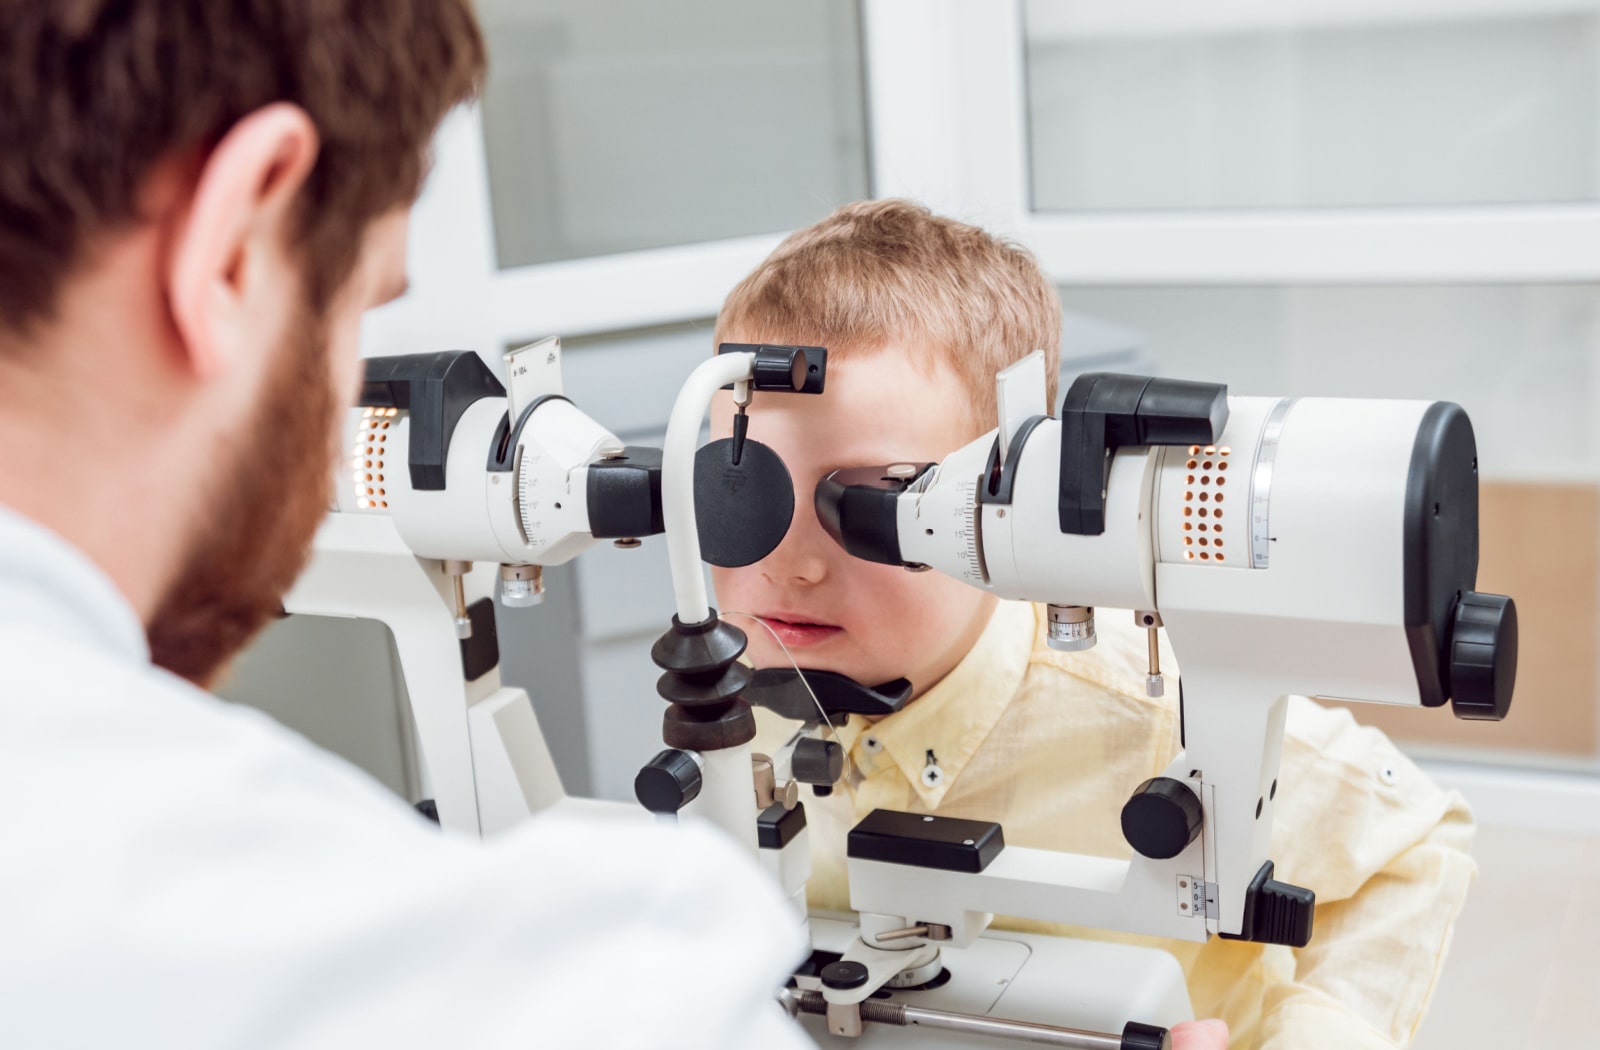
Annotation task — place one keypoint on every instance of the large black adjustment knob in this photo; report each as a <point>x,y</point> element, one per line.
<point>817,761</point>
<point>1161,818</point>
<point>843,976</point>
<point>779,368</point>
<point>1483,656</point>
<point>668,782</point>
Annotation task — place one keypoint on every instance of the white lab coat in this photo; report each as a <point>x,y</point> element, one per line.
<point>179,872</point>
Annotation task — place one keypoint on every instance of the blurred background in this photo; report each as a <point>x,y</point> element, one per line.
<point>1295,197</point>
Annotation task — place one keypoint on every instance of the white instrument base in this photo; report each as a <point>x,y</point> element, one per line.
<point>1090,985</point>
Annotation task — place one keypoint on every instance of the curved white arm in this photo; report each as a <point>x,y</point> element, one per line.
<point>677,478</point>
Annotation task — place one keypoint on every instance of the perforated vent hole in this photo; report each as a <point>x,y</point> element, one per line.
<point>367,458</point>
<point>1203,479</point>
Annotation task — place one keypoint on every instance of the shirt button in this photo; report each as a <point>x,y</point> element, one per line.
<point>932,776</point>
<point>1389,775</point>
<point>872,744</point>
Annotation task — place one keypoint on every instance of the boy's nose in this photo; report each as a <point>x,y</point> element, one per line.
<point>805,552</point>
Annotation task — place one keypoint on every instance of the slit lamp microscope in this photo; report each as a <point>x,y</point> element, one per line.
<point>1316,547</point>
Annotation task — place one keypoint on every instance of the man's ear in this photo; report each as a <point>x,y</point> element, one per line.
<point>239,213</point>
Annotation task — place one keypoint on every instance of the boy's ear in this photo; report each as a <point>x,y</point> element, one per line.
<point>230,241</point>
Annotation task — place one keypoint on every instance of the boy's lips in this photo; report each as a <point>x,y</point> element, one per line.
<point>796,632</point>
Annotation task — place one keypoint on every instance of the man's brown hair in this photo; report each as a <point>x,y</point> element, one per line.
<point>94,94</point>
<point>890,273</point>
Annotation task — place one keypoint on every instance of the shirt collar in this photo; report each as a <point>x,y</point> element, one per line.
<point>48,584</point>
<point>932,739</point>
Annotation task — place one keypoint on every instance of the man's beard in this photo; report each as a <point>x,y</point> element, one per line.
<point>262,514</point>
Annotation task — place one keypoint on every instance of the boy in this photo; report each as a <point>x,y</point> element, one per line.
<point>918,313</point>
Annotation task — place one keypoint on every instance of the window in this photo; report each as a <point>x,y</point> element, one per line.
<point>1167,105</point>
<point>617,125</point>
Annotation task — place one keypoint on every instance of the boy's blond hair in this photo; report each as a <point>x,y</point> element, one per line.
<point>890,273</point>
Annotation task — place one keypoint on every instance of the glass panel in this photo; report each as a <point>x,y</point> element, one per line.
<point>1525,363</point>
<point>1166,104</point>
<point>617,125</point>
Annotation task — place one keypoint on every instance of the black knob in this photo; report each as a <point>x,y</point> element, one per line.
<point>668,782</point>
<point>1483,656</point>
<point>1161,818</point>
<point>843,976</point>
<point>779,368</point>
<point>817,761</point>
<point>1136,1036</point>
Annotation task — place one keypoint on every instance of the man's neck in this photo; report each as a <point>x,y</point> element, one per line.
<point>98,494</point>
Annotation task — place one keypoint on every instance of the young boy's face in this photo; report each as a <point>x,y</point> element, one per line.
<point>834,612</point>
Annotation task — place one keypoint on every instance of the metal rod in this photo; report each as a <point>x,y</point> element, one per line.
<point>900,935</point>
<point>1155,650</point>
<point>888,1012</point>
<point>1021,1031</point>
<point>457,571</point>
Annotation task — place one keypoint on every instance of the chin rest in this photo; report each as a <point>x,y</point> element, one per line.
<point>781,691</point>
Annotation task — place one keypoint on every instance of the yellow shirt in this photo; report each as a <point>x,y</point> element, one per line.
<point>1052,744</point>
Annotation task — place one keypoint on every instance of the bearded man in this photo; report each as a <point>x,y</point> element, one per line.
<point>198,200</point>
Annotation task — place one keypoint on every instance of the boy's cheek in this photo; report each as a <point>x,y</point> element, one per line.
<point>916,618</point>
<point>726,585</point>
